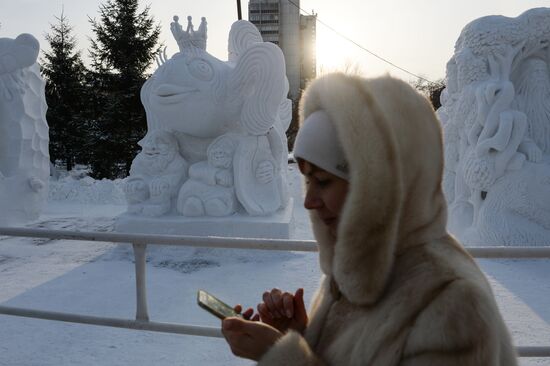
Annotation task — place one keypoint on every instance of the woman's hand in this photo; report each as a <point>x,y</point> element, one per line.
<point>249,339</point>
<point>248,313</point>
<point>283,310</point>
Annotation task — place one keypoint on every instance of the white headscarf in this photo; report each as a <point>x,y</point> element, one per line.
<point>317,143</point>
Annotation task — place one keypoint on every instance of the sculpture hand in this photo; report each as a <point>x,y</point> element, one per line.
<point>265,172</point>
<point>159,187</point>
<point>224,177</point>
<point>135,190</point>
<point>132,186</point>
<point>533,152</point>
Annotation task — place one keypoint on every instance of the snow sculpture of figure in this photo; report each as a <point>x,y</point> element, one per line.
<point>155,175</point>
<point>24,156</point>
<point>199,98</point>
<point>496,121</point>
<point>209,189</point>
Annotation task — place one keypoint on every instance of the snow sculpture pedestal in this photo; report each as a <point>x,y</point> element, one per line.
<point>24,156</point>
<point>277,226</point>
<point>496,121</point>
<point>214,160</point>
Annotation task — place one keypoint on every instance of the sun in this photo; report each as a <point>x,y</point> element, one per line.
<point>334,53</point>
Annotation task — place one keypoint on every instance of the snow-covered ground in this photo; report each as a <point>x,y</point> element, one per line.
<point>98,279</point>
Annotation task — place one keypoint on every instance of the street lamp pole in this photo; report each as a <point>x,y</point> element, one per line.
<point>239,14</point>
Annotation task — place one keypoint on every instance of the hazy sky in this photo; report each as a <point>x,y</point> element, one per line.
<point>416,35</point>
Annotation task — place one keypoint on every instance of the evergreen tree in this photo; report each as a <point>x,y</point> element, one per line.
<point>64,71</point>
<point>124,47</point>
<point>432,90</point>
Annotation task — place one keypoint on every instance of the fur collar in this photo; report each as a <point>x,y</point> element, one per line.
<point>392,142</point>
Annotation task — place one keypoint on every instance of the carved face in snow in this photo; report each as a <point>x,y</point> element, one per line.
<point>220,158</point>
<point>220,153</point>
<point>189,89</point>
<point>159,148</point>
<point>198,95</point>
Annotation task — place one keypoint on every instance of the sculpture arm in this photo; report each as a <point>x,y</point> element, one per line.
<point>175,171</point>
<point>137,166</point>
<point>203,172</point>
<point>224,177</point>
<point>531,150</point>
<point>500,95</point>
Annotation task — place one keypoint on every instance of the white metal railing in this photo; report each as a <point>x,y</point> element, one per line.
<point>140,242</point>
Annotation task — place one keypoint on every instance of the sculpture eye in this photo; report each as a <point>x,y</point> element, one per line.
<point>201,69</point>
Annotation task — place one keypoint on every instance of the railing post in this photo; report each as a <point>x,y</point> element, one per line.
<point>141,291</point>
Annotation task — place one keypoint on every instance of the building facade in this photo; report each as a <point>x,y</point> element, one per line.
<point>280,22</point>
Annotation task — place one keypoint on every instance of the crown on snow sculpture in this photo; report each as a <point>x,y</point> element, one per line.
<point>189,38</point>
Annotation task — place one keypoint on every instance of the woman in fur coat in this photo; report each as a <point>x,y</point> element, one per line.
<point>397,288</point>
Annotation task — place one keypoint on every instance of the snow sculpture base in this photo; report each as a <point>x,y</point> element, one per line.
<point>277,226</point>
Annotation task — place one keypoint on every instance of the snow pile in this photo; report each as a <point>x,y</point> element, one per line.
<point>88,190</point>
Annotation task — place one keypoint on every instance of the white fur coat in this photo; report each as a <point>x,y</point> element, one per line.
<point>398,290</point>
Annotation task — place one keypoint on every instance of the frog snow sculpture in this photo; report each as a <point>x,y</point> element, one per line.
<point>24,156</point>
<point>496,121</point>
<point>239,104</point>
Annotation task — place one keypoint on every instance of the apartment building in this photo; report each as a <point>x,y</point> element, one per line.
<point>280,22</point>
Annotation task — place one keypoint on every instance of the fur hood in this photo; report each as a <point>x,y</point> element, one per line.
<point>395,200</point>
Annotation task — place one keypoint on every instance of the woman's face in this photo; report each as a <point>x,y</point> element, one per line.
<point>325,193</point>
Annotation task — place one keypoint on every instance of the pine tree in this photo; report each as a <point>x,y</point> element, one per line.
<point>432,90</point>
<point>124,47</point>
<point>64,71</point>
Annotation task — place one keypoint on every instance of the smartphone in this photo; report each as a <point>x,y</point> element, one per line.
<point>214,305</point>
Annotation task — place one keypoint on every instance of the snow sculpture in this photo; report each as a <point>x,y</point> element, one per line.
<point>496,120</point>
<point>229,119</point>
<point>24,156</point>
<point>210,188</point>
<point>155,175</point>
